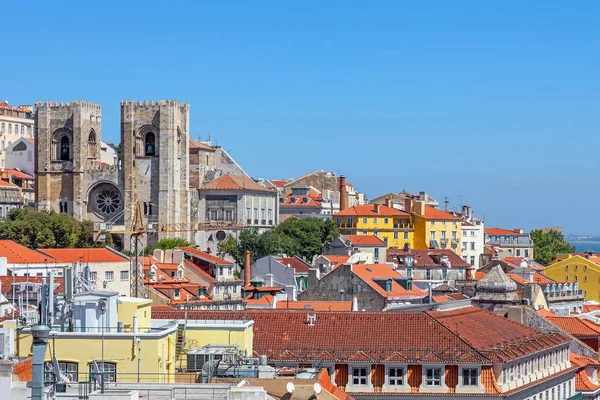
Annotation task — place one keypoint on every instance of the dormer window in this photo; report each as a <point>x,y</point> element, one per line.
<point>433,377</point>
<point>293,200</point>
<point>470,377</point>
<point>359,376</point>
<point>177,290</point>
<point>282,200</point>
<point>305,200</point>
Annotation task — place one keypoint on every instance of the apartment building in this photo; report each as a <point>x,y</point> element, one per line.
<point>15,122</point>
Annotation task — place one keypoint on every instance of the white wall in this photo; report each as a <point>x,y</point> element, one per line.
<point>474,234</point>
<point>23,160</point>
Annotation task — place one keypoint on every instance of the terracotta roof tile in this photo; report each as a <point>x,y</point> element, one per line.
<point>84,255</point>
<point>317,305</point>
<point>365,240</point>
<point>370,210</point>
<point>500,231</point>
<point>537,278</point>
<point>16,173</point>
<point>427,258</point>
<point>434,213</point>
<point>337,260</point>
<point>299,265</point>
<point>370,273</point>
<point>235,182</point>
<point>280,183</point>
<point>205,256</point>
<point>16,253</point>
<point>575,326</point>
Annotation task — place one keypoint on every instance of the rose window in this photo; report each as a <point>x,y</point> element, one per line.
<point>107,200</point>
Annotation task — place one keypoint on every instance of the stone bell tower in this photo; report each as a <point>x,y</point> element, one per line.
<point>67,143</point>
<point>155,162</point>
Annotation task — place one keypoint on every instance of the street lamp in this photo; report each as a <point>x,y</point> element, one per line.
<point>102,305</point>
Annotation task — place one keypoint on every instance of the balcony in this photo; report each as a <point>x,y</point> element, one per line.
<point>565,296</point>
<point>443,241</point>
<point>455,241</point>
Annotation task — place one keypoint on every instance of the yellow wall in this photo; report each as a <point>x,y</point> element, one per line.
<point>424,227</point>
<point>157,355</point>
<point>358,225</point>
<point>577,269</point>
<point>127,306</point>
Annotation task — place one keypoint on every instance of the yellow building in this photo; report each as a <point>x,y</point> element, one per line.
<point>435,228</point>
<point>392,226</point>
<point>127,342</point>
<point>573,268</point>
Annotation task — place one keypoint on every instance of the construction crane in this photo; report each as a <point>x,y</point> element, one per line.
<point>139,228</point>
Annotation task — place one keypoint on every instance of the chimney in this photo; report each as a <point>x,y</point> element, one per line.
<point>376,208</point>
<point>407,205</point>
<point>518,230</point>
<point>419,207</point>
<point>247,269</point>
<point>342,192</point>
<point>270,280</point>
<point>389,202</point>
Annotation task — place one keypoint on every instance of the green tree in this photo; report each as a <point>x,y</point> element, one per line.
<point>166,244</point>
<point>40,229</point>
<point>546,245</point>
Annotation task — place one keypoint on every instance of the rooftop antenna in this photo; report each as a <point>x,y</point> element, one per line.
<point>446,202</point>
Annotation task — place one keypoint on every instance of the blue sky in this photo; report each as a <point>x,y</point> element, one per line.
<point>495,104</point>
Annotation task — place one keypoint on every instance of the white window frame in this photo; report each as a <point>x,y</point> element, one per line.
<point>108,274</point>
<point>388,387</point>
<point>126,277</point>
<point>358,387</point>
<point>477,388</point>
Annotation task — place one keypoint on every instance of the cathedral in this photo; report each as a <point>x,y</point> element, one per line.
<point>153,169</point>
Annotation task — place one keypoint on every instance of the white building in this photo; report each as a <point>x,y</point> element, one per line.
<point>108,155</point>
<point>21,155</point>
<point>15,123</point>
<point>472,237</point>
<point>109,269</point>
<point>19,260</point>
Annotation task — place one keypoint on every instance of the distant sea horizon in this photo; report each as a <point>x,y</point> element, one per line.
<point>582,246</point>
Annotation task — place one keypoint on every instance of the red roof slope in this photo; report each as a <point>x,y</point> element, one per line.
<point>205,256</point>
<point>16,253</point>
<point>365,240</point>
<point>370,210</point>
<point>499,231</point>
<point>317,305</point>
<point>576,326</point>
<point>371,272</point>
<point>16,173</point>
<point>84,255</point>
<point>296,263</point>
<point>434,213</point>
<point>235,182</point>
<point>427,258</point>
<point>496,337</point>
<point>413,337</point>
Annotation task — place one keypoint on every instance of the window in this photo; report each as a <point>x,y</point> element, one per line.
<point>464,233</point>
<point>443,222</point>
<point>405,235</point>
<point>454,235</point>
<point>470,376</point>
<point>385,220</point>
<point>576,267</point>
<point>338,220</point>
<point>504,375</point>
<point>150,145</point>
<point>526,253</point>
<point>567,278</point>
<point>365,233</point>
<point>585,278</point>
<point>2,128</point>
<point>375,221</point>
<point>432,235</point>
<point>109,369</point>
<point>567,267</point>
<point>433,377</point>
<point>472,233</point>
<point>395,235</point>
<point>213,215</point>
<point>585,267</point>
<point>518,252</point>
<point>364,220</point>
<point>396,376</point>
<point>124,275</point>
<point>511,374</point>
<point>359,376</point>
<point>229,215</point>
<point>67,368</point>
<point>519,371</point>
<point>9,128</point>
<point>216,289</point>
<point>65,149</point>
<point>385,239</point>
<point>177,292</point>
<point>375,233</point>
<point>93,276</point>
<point>432,222</point>
<point>472,260</point>
<point>472,245</point>
<point>443,235</point>
<point>109,276</point>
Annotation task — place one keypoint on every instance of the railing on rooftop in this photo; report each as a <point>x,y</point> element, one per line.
<point>565,295</point>
<point>117,329</point>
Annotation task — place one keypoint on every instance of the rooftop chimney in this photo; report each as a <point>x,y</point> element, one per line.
<point>247,269</point>
<point>407,205</point>
<point>342,192</point>
<point>389,202</point>
<point>518,230</point>
<point>376,208</point>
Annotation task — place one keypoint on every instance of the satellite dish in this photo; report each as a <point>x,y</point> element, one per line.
<point>317,387</point>
<point>290,387</point>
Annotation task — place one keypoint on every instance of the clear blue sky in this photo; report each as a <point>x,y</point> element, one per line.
<point>494,103</point>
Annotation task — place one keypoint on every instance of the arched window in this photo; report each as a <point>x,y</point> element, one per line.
<point>150,146</point>
<point>65,149</point>
<point>92,144</point>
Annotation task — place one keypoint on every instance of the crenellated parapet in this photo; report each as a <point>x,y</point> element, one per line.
<point>79,104</point>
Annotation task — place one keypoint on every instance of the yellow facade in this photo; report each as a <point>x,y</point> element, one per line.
<point>447,233</point>
<point>577,269</point>
<point>127,306</point>
<point>394,230</point>
<point>156,353</point>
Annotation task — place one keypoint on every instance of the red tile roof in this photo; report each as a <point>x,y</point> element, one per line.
<point>8,184</point>
<point>194,144</point>
<point>368,210</point>
<point>32,140</point>
<point>590,307</point>
<point>296,263</point>
<point>205,275</point>
<point>16,173</point>
<point>6,106</point>
<point>576,326</point>
<point>499,231</point>
<point>365,240</point>
<point>546,313</point>
<point>205,256</point>
<point>427,258</point>
<point>434,213</point>
<point>23,370</point>
<point>280,183</point>
<point>497,338</point>
<point>337,260</point>
<point>317,305</point>
<point>16,253</point>
<point>537,278</point>
<point>583,383</point>
<point>235,182</point>
<point>376,337</point>
<point>266,299</point>
<point>84,255</point>
<point>371,272</point>
<point>7,281</point>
